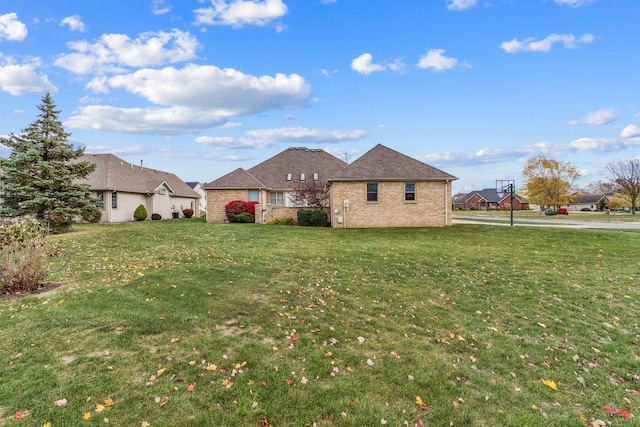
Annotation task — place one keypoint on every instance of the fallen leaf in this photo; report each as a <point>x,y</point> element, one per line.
<point>160,372</point>
<point>254,405</point>
<point>552,385</point>
<point>108,402</point>
<point>61,402</point>
<point>86,415</point>
<point>164,401</point>
<point>191,387</point>
<point>99,408</point>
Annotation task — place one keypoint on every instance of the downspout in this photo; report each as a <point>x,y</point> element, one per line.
<point>446,204</point>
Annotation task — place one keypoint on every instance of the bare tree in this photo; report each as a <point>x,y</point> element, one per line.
<point>606,188</point>
<point>626,174</point>
<point>309,193</point>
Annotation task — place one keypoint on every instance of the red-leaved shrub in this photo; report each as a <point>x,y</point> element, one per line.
<point>240,206</point>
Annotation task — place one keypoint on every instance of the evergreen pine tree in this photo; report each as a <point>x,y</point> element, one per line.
<point>39,177</point>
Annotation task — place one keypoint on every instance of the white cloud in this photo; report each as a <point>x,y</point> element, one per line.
<point>630,131</point>
<point>530,45</point>
<point>160,7</point>
<point>575,3</point>
<point>363,64</point>
<point>74,22</point>
<point>11,28</point>
<point>217,141</point>
<point>238,13</point>
<point>18,79</point>
<point>460,4</point>
<point>309,136</point>
<point>600,117</point>
<point>192,98</point>
<point>436,60</point>
<point>113,52</point>
<point>493,155</point>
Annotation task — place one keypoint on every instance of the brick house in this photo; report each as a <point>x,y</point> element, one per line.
<point>271,183</point>
<point>383,188</point>
<point>123,187</point>
<point>488,199</point>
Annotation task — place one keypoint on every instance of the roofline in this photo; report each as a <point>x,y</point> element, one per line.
<point>453,178</point>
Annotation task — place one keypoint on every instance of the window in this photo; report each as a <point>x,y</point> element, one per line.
<point>288,177</point>
<point>114,200</point>
<point>410,192</point>
<point>302,177</point>
<point>162,191</point>
<point>254,196</point>
<point>372,192</point>
<point>101,198</point>
<point>276,198</point>
<point>315,176</point>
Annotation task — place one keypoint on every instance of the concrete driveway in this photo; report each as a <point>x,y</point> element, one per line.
<point>564,223</point>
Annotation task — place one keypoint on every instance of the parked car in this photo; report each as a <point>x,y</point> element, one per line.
<point>560,211</point>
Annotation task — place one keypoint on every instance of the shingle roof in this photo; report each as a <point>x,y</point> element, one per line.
<point>282,170</point>
<point>238,179</point>
<point>585,198</point>
<point>383,163</point>
<point>490,195</point>
<point>114,174</point>
<point>296,161</point>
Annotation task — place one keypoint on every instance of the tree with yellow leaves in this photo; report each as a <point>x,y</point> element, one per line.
<point>548,182</point>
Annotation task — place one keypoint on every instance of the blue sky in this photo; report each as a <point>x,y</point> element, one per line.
<point>202,87</point>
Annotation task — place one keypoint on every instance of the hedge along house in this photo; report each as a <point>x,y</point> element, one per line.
<point>384,188</point>
<point>272,183</point>
<point>123,187</point>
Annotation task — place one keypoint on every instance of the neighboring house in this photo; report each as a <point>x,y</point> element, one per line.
<point>383,188</point>
<point>122,187</point>
<point>489,199</point>
<point>197,187</point>
<point>271,183</point>
<point>585,200</point>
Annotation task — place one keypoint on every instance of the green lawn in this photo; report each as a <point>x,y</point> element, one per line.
<point>573,216</point>
<point>183,323</point>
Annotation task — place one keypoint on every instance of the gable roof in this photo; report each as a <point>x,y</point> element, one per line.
<point>114,174</point>
<point>238,179</point>
<point>281,171</point>
<point>586,198</point>
<point>384,164</point>
<point>490,195</point>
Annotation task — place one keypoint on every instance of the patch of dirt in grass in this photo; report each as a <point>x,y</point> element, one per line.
<point>41,289</point>
<point>67,359</point>
<point>229,328</point>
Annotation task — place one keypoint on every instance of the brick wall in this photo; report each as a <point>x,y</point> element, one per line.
<point>216,201</point>
<point>432,207</point>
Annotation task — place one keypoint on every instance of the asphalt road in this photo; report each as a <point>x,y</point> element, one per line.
<point>564,223</point>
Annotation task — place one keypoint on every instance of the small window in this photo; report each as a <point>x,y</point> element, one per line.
<point>410,192</point>
<point>276,198</point>
<point>315,176</point>
<point>302,177</point>
<point>288,177</point>
<point>253,196</point>
<point>372,192</point>
<point>162,191</point>
<point>101,198</point>
<point>114,200</point>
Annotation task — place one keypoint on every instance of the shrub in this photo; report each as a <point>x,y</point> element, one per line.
<point>237,207</point>
<point>97,217</point>
<point>188,213</point>
<point>156,217</point>
<point>140,213</point>
<point>585,210</point>
<point>312,218</point>
<point>281,220</point>
<point>24,256</point>
<point>243,217</point>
